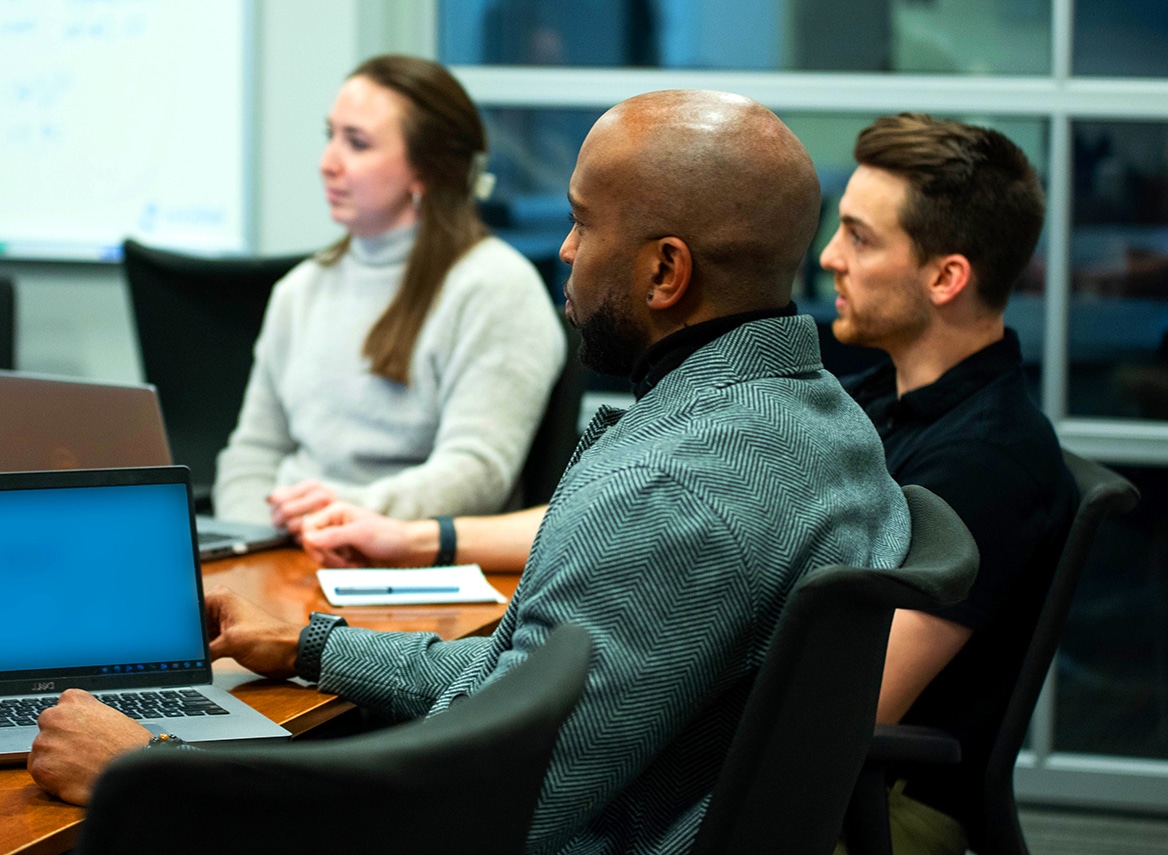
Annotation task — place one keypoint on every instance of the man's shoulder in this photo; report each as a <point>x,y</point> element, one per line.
<point>1002,415</point>
<point>773,405</point>
<point>793,484</point>
<point>757,352</point>
<point>995,457</point>
<point>779,346</point>
<point>757,408</point>
<point>764,435</point>
<point>761,384</point>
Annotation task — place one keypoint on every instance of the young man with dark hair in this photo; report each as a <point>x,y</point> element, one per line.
<point>936,226</point>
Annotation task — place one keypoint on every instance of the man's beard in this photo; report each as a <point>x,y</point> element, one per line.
<point>611,342</point>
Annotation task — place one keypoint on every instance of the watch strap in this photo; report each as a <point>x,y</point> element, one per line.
<point>310,646</point>
<point>447,542</point>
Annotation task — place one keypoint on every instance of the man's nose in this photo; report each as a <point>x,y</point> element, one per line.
<point>829,259</point>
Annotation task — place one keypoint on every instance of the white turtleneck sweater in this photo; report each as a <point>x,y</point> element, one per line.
<point>452,441</point>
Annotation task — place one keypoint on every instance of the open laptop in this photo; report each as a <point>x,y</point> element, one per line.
<point>59,423</point>
<point>102,590</point>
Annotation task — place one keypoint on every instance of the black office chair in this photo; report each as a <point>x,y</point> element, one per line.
<point>558,432</point>
<point>197,320</point>
<point>1102,493</point>
<point>7,324</point>
<point>802,739</point>
<point>465,780</point>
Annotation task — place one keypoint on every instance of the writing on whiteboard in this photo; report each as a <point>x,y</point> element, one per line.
<point>123,118</point>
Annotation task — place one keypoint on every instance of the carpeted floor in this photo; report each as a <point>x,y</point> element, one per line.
<point>1064,832</point>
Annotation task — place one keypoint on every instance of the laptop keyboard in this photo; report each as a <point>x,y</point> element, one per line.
<point>163,703</point>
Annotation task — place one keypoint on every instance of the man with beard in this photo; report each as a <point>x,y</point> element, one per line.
<point>936,226</point>
<point>679,525</point>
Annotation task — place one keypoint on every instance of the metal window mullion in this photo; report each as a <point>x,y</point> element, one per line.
<point>404,27</point>
<point>1058,269</point>
<point>1062,39</point>
<point>252,26</point>
<point>869,94</point>
<point>1056,338</point>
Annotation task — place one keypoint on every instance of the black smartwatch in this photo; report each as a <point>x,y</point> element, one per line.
<point>311,644</point>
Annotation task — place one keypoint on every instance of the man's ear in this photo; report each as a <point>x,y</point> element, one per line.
<point>670,269</point>
<point>951,275</point>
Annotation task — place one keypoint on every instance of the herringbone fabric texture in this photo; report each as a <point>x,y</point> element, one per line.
<point>673,538</point>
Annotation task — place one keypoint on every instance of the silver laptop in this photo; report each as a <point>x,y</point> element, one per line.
<point>60,423</point>
<point>102,590</point>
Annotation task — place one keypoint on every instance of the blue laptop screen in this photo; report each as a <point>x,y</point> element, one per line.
<point>98,578</point>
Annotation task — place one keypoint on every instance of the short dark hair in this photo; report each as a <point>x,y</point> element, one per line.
<point>971,191</point>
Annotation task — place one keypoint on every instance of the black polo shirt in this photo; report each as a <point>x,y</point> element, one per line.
<point>976,439</point>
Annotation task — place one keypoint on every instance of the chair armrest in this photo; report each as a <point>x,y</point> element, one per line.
<point>866,823</point>
<point>906,743</point>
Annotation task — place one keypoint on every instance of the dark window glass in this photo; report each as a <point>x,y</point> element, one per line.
<point>533,153</point>
<point>1126,38</point>
<point>927,36</point>
<point>1112,664</point>
<point>1119,257</point>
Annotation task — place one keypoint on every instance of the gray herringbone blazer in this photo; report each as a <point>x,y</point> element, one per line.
<point>673,537</point>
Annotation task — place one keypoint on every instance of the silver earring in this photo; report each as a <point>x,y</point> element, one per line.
<point>417,196</point>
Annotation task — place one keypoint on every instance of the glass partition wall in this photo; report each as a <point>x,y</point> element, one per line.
<point>1083,88</point>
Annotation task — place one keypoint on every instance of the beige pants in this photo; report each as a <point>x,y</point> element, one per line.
<point>918,829</point>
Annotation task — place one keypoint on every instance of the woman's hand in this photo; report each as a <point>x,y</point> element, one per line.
<point>343,535</point>
<point>289,505</point>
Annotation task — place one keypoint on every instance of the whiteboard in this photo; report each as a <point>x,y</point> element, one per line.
<point>123,118</point>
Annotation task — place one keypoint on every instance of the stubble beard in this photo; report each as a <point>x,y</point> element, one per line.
<point>610,341</point>
<point>881,329</point>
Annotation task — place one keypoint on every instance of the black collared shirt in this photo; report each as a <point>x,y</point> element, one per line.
<point>976,439</point>
<point>675,348</point>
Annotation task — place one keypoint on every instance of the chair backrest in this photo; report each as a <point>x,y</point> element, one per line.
<point>7,324</point>
<point>559,432</point>
<point>197,320</point>
<point>1102,493</point>
<point>805,731</point>
<point>466,779</point>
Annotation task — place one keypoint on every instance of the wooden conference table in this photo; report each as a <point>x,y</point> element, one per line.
<point>283,581</point>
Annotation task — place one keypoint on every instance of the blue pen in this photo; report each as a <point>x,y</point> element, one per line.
<point>398,589</point>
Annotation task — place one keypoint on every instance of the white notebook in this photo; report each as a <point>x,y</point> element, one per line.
<point>368,586</point>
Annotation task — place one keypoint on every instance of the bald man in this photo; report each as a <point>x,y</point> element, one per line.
<point>679,525</point>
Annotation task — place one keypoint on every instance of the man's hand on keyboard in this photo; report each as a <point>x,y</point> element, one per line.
<point>78,738</point>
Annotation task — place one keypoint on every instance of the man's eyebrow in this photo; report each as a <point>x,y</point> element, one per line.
<point>574,203</point>
<point>850,220</point>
